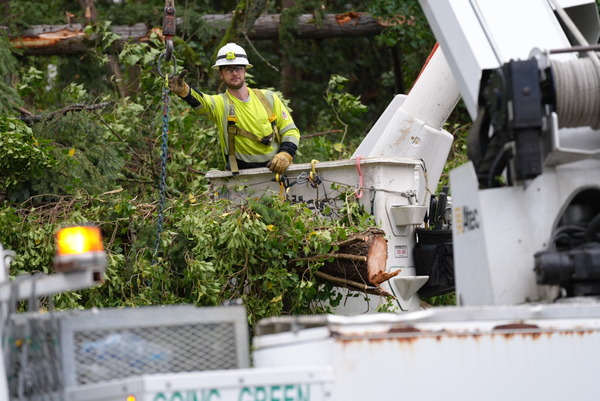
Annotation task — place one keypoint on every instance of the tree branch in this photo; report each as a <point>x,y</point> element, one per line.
<point>357,286</point>
<point>31,119</point>
<point>351,241</point>
<point>335,131</point>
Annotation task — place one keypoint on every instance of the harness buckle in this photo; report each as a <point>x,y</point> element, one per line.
<point>267,140</point>
<point>232,129</point>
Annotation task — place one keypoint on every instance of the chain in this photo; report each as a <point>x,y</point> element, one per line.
<point>163,165</point>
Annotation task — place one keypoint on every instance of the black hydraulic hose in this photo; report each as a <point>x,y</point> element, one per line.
<point>593,228</point>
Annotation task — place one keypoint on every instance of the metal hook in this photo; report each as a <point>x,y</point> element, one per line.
<point>159,63</point>
<point>168,49</point>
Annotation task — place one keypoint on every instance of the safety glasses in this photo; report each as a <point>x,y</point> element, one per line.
<point>233,68</point>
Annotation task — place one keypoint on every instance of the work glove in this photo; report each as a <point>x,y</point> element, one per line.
<point>178,86</point>
<point>280,162</point>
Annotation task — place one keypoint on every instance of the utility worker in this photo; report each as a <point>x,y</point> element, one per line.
<point>256,128</point>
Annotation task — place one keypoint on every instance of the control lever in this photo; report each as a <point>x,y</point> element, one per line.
<point>441,210</point>
<point>431,214</point>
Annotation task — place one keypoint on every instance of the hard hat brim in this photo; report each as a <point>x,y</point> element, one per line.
<point>222,64</point>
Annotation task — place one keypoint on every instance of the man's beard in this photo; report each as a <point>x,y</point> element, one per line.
<point>235,87</point>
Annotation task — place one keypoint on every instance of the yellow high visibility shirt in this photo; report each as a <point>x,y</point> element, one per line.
<point>251,116</point>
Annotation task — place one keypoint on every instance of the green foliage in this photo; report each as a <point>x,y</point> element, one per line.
<point>343,105</point>
<point>23,157</point>
<point>30,76</point>
<point>9,98</point>
<point>87,158</point>
<point>343,113</point>
<point>289,21</point>
<point>263,252</point>
<point>24,13</point>
<point>408,30</point>
<point>342,102</point>
<point>132,12</point>
<point>459,127</point>
<point>441,300</point>
<point>103,39</point>
<point>142,53</point>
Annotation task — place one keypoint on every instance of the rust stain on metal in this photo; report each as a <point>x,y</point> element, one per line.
<point>514,330</point>
<point>412,335</point>
<point>404,329</point>
<point>380,340</point>
<point>383,335</point>
<point>516,326</point>
<point>441,335</point>
<point>544,333</point>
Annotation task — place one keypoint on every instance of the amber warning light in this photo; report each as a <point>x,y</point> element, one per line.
<point>79,248</point>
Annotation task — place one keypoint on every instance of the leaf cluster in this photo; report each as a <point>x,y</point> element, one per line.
<point>24,158</point>
<point>261,252</point>
<point>407,29</point>
<point>8,65</point>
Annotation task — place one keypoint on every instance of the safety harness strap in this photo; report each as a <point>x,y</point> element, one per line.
<point>268,107</point>
<point>231,145</point>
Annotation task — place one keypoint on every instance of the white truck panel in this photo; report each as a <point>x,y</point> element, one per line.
<point>549,352</point>
<point>497,231</point>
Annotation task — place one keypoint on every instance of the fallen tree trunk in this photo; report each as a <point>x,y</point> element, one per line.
<point>71,39</point>
<point>346,25</point>
<point>359,264</point>
<point>47,40</point>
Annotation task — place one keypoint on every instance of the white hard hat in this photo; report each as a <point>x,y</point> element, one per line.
<point>231,54</point>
